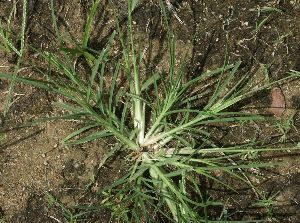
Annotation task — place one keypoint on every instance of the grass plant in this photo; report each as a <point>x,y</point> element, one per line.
<point>7,45</point>
<point>69,214</point>
<point>158,120</point>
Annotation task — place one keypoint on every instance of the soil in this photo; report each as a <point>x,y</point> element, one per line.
<point>33,163</point>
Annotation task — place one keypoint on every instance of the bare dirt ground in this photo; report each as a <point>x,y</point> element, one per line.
<point>32,161</point>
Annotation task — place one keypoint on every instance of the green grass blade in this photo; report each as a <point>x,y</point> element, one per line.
<point>90,137</point>
<point>93,75</point>
<point>9,97</point>
<point>112,87</point>
<point>109,154</point>
<point>222,86</point>
<point>205,76</point>
<point>150,81</point>
<point>89,23</point>
<point>33,82</point>
<point>78,132</point>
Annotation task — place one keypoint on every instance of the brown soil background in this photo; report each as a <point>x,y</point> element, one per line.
<point>32,161</point>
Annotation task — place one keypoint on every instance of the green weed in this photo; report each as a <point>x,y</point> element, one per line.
<point>157,119</point>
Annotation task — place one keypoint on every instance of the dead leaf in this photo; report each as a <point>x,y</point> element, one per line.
<point>278,102</point>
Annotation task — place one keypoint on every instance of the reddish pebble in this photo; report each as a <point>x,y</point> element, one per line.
<point>278,102</point>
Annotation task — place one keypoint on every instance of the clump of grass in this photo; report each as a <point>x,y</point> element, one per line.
<point>156,118</point>
<point>7,45</point>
